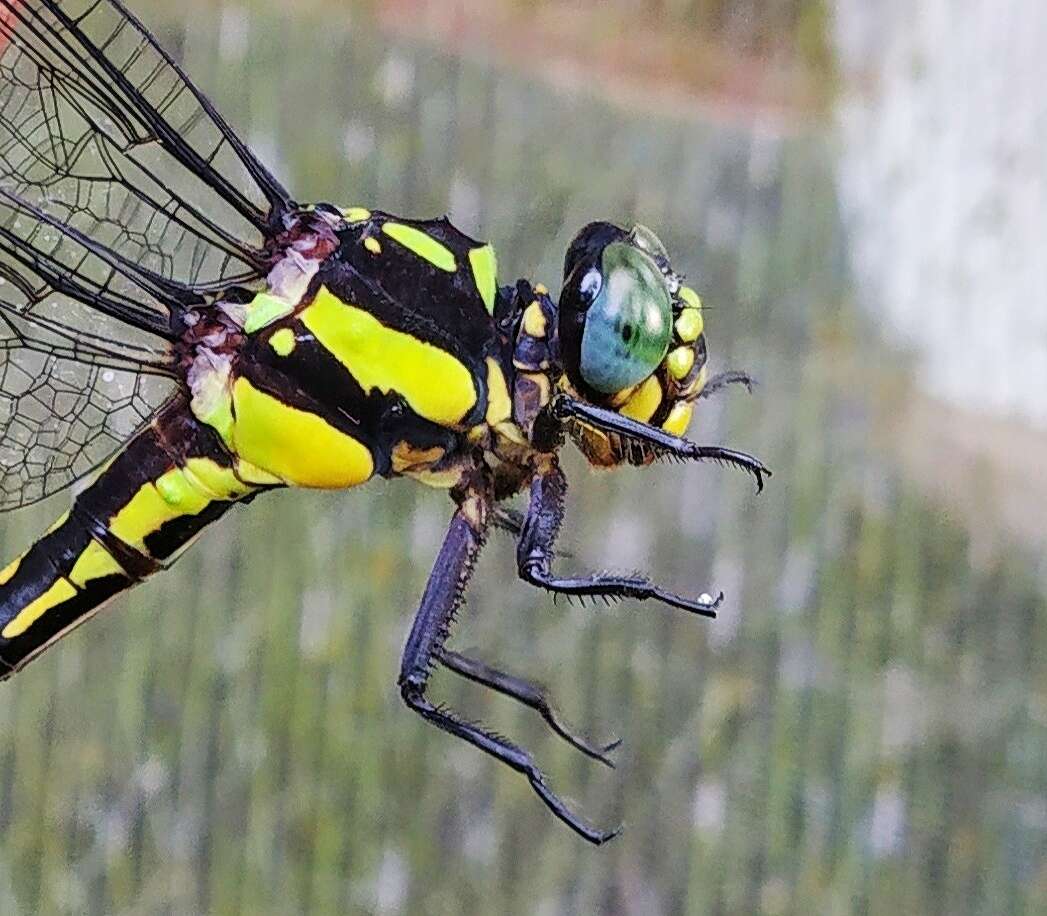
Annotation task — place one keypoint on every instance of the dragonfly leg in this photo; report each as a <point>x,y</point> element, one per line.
<point>512,522</point>
<point>528,693</point>
<point>656,440</point>
<point>722,379</point>
<point>507,520</point>
<point>535,552</point>
<point>443,594</point>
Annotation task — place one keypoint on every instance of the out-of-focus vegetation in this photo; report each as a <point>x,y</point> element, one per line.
<point>768,55</point>
<point>862,731</point>
<point>757,28</point>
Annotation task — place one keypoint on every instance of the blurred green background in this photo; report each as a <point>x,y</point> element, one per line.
<point>864,729</point>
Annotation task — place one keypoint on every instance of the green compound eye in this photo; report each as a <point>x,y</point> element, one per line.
<point>629,324</point>
<point>644,239</point>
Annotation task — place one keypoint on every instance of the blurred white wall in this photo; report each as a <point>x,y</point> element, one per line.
<point>943,183</point>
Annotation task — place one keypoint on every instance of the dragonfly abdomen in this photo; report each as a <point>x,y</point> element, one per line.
<point>171,480</point>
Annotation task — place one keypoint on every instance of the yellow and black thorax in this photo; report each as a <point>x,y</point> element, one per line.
<point>374,350</point>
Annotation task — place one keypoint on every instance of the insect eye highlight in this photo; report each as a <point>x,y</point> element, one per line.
<point>591,285</point>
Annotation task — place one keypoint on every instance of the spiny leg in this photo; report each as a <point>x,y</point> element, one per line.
<point>507,520</point>
<point>431,627</point>
<point>512,522</point>
<point>658,441</point>
<point>526,692</point>
<point>535,552</point>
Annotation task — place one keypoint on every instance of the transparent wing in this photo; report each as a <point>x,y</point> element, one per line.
<point>75,381</point>
<point>63,412</point>
<point>124,200</point>
<point>101,129</point>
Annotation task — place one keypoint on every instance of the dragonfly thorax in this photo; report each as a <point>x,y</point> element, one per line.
<point>373,339</point>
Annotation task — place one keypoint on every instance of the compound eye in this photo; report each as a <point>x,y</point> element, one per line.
<point>644,239</point>
<point>628,326</point>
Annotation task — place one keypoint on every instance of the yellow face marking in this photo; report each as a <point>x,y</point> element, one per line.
<point>94,563</point>
<point>691,391</point>
<point>283,342</point>
<point>617,400</point>
<point>264,309</point>
<point>8,572</point>
<point>58,593</point>
<point>435,384</point>
<point>373,245</point>
<point>689,325</point>
<point>679,418</point>
<point>534,320</point>
<point>644,402</point>
<point>680,362</point>
<point>296,446</point>
<point>356,214</point>
<point>484,263</point>
<point>499,406</point>
<point>423,245</point>
<point>541,289</point>
<point>690,298</point>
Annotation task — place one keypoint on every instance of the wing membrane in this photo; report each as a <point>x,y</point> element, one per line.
<point>79,369</point>
<point>125,198</point>
<point>101,129</point>
<point>64,410</point>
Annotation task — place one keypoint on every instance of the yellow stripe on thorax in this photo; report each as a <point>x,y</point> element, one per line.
<point>435,384</point>
<point>296,446</point>
<point>423,245</point>
<point>283,342</point>
<point>484,263</point>
<point>264,309</point>
<point>356,214</point>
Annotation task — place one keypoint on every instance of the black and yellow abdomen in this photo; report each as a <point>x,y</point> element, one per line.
<point>170,481</point>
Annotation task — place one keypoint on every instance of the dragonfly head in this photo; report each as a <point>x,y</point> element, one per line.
<point>631,334</point>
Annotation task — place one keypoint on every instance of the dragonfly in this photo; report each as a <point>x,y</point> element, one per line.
<point>180,333</point>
